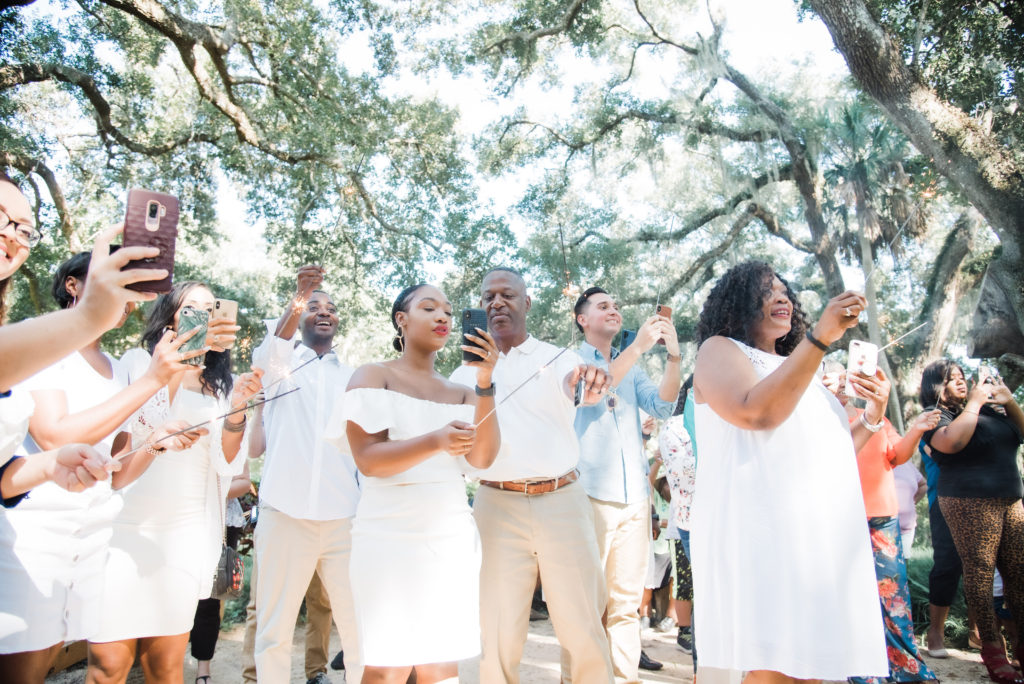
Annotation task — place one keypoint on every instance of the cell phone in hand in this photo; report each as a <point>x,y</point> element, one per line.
<point>151,220</point>
<point>581,386</point>
<point>189,319</point>
<point>471,320</point>
<point>665,311</point>
<point>863,358</point>
<point>627,338</point>
<point>225,309</point>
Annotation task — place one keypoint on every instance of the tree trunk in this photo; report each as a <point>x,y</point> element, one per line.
<point>970,157</point>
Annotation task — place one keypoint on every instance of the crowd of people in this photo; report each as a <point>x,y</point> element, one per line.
<point>782,479</point>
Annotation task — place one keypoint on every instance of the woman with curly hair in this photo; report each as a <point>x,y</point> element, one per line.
<point>979,492</point>
<point>781,554</point>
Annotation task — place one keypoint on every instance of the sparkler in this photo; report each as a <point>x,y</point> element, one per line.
<point>296,369</point>
<point>894,238</point>
<point>902,336</point>
<point>190,428</point>
<point>522,385</point>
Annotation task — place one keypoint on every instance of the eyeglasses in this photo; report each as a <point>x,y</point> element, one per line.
<point>25,233</point>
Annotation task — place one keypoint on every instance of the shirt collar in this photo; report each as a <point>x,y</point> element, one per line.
<point>527,346</point>
<point>589,351</point>
<point>306,353</point>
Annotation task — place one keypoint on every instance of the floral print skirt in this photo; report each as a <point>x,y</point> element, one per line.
<point>905,664</point>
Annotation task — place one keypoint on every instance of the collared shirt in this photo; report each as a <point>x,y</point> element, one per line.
<point>613,466</point>
<point>304,476</point>
<point>537,438</point>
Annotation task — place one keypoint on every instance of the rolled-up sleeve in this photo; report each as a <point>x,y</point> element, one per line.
<point>647,396</point>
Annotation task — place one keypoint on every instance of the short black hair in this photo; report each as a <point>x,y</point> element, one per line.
<point>735,305</point>
<point>581,303</point>
<point>76,267</point>
<point>401,303</point>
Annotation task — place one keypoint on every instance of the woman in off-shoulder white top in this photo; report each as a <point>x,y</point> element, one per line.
<point>415,547</point>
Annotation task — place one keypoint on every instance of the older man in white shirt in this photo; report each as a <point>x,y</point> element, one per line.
<point>309,490</point>
<point>532,515</point>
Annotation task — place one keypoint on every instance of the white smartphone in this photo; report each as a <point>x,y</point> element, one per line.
<point>863,358</point>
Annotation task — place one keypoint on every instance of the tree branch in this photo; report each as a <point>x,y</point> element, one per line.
<point>357,182</point>
<point>530,36</point>
<point>27,166</point>
<point>771,222</point>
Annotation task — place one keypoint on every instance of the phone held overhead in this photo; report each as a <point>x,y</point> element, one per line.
<point>151,220</point>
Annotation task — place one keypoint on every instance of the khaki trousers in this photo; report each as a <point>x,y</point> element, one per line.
<point>288,552</point>
<point>318,629</point>
<point>623,542</point>
<point>552,534</point>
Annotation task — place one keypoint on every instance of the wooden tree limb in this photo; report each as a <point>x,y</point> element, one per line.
<point>27,165</point>
<point>371,207</point>
<point>21,74</point>
<point>771,222</point>
<point>564,24</point>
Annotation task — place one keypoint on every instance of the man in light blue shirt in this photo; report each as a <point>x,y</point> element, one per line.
<point>613,467</point>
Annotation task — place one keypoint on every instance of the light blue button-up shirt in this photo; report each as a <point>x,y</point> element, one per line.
<point>612,464</point>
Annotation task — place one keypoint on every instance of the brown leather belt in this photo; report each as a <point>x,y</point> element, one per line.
<point>530,487</point>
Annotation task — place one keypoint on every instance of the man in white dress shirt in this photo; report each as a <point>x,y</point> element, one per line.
<point>532,515</point>
<point>309,490</point>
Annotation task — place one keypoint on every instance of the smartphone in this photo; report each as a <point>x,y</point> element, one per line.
<point>665,311</point>
<point>863,358</point>
<point>188,319</point>
<point>627,338</point>
<point>225,309</point>
<point>151,220</point>
<point>989,375</point>
<point>471,320</point>
<point>581,386</point>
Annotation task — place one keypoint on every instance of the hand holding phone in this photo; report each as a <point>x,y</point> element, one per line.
<point>863,358</point>
<point>151,220</point>
<point>188,319</point>
<point>471,320</point>
<point>223,325</point>
<point>664,312</point>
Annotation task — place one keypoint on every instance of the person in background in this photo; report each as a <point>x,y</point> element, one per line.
<point>613,466</point>
<point>979,492</point>
<point>206,623</point>
<point>309,490</point>
<point>783,576</point>
<point>876,461</point>
<point>911,487</point>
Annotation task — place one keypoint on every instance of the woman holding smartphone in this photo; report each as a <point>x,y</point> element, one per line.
<point>54,547</point>
<point>167,537</point>
<point>979,492</point>
<point>413,433</point>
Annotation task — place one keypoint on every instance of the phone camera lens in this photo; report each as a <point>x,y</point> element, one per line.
<point>153,209</point>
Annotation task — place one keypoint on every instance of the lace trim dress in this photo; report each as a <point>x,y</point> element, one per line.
<point>415,566</point>
<point>782,563</point>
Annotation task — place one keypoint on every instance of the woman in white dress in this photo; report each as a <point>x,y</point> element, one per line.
<point>167,537</point>
<point>53,547</point>
<point>782,560</point>
<point>415,547</point>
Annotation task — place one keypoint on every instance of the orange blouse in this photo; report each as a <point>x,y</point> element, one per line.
<point>875,463</point>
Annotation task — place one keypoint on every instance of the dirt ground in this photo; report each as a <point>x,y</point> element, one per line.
<point>540,661</point>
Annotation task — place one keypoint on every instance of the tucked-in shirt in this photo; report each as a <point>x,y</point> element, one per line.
<point>613,466</point>
<point>907,478</point>
<point>304,476</point>
<point>986,468</point>
<point>874,463</point>
<point>537,436</point>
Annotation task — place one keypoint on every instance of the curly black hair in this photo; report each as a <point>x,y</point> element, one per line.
<point>216,376</point>
<point>735,305</point>
<point>934,378</point>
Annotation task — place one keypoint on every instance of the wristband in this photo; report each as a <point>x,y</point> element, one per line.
<point>871,428</point>
<point>816,342</point>
<point>154,450</point>
<point>675,358</point>
<point>231,427</point>
<point>482,392</point>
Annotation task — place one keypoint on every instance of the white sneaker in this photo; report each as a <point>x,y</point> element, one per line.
<point>645,622</point>
<point>666,625</point>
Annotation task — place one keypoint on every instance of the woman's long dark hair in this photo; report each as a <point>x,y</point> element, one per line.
<point>934,378</point>
<point>216,377</point>
<point>735,305</point>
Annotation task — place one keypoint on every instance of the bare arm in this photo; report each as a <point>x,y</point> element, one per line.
<point>240,483</point>
<point>309,278</point>
<point>246,387</point>
<point>29,346</point>
<point>488,434</point>
<point>74,467</point>
<point>132,467</point>
<point>257,434</point>
<point>906,447</point>
<point>952,438</point>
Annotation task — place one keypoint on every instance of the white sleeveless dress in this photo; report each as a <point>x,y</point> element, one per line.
<point>783,572</point>
<point>415,566</point>
<point>167,538</point>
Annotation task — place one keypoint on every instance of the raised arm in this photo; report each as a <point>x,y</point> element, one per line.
<point>246,386</point>
<point>488,435</point>
<point>29,346</point>
<point>952,438</point>
<point>906,446</point>
<point>725,379</point>
<point>309,278</point>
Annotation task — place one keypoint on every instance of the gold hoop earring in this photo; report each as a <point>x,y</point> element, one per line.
<point>401,340</point>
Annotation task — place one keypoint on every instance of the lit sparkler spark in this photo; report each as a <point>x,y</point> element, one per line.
<point>296,369</point>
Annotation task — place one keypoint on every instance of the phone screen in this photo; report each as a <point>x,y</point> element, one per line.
<point>188,319</point>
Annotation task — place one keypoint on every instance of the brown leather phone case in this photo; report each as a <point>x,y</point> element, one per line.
<point>151,220</point>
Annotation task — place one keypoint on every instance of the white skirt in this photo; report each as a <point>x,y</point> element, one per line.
<point>415,574</point>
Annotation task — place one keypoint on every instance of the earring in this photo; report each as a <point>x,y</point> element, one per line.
<point>401,340</point>
<point>74,300</point>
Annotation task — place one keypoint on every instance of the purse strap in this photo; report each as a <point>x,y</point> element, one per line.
<point>220,509</point>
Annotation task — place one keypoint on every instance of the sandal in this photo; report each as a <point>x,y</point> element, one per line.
<point>205,678</point>
<point>998,665</point>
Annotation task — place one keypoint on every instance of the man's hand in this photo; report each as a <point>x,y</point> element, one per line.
<point>75,467</point>
<point>596,382</point>
<point>309,278</point>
